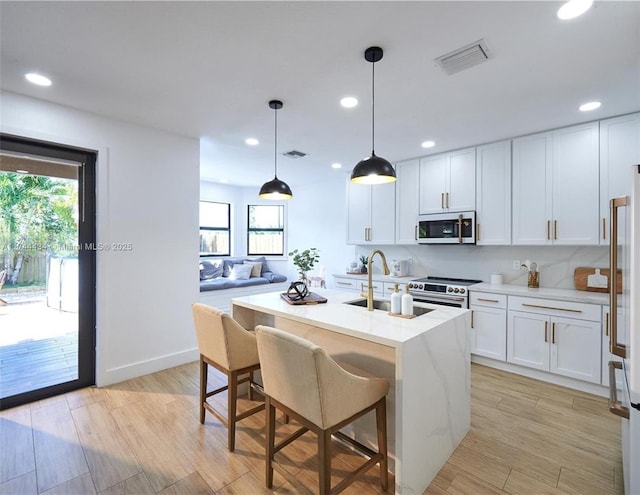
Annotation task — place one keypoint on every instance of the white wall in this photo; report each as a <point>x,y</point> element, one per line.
<point>556,263</point>
<point>147,195</point>
<point>318,218</point>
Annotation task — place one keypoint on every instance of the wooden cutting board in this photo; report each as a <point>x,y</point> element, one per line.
<point>581,274</point>
<point>311,298</point>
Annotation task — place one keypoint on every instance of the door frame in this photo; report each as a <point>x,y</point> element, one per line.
<point>86,261</point>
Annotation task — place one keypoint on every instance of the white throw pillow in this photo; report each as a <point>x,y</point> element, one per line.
<point>256,267</point>
<point>240,272</point>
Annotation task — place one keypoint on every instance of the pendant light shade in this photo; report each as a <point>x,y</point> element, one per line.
<point>275,189</point>
<point>373,169</point>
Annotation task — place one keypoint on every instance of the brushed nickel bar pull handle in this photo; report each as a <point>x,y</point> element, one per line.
<point>548,230</point>
<point>488,300</point>
<point>551,307</point>
<point>553,333</point>
<point>546,331</point>
<point>606,324</point>
<point>614,346</point>
<point>471,318</point>
<point>477,232</point>
<point>442,201</point>
<point>555,229</point>
<point>415,233</point>
<point>615,406</point>
<point>459,224</point>
<point>604,228</point>
<point>447,202</point>
<point>342,283</point>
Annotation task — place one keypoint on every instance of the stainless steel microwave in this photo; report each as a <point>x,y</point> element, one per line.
<point>447,228</point>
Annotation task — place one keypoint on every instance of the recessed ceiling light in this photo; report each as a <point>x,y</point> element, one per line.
<point>574,8</point>
<point>38,79</point>
<point>224,181</point>
<point>349,102</point>
<point>336,165</point>
<point>428,144</point>
<point>592,105</point>
<point>20,171</point>
<point>252,141</point>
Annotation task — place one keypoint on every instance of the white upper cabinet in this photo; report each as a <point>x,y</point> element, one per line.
<point>619,150</point>
<point>575,185</point>
<point>407,201</point>
<point>371,213</point>
<point>448,182</point>
<point>532,189</point>
<point>555,181</point>
<point>493,188</point>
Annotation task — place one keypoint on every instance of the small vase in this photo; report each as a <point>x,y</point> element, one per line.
<point>363,269</point>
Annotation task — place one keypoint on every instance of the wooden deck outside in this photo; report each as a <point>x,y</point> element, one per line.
<point>38,346</point>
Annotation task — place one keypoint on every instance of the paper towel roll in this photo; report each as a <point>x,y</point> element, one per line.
<point>497,279</point>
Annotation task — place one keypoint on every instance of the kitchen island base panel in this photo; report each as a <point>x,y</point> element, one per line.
<point>436,414</point>
<point>429,374</point>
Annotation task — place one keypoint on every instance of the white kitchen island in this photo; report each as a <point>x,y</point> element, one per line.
<point>426,360</point>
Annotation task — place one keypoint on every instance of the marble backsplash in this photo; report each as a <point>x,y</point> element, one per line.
<point>556,263</point>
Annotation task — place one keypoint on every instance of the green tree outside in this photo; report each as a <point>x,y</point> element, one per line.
<point>38,218</point>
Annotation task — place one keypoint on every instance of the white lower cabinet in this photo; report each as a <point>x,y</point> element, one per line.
<point>489,325</point>
<point>568,346</point>
<point>355,285</point>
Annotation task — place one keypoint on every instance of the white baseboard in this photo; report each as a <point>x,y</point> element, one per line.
<point>122,373</point>
<point>563,381</point>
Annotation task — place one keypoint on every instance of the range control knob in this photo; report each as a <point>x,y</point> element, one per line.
<point>410,286</point>
<point>420,286</point>
<point>450,289</point>
<point>462,291</point>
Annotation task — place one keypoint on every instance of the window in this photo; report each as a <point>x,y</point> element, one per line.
<point>215,231</point>
<point>266,230</point>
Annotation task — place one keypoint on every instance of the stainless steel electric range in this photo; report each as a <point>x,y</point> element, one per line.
<point>441,290</point>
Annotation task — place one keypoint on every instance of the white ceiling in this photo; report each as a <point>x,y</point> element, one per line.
<point>208,69</point>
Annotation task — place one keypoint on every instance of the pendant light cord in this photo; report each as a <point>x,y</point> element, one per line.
<point>373,107</point>
<point>275,149</point>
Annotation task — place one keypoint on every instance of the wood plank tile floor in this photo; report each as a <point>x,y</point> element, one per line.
<point>143,436</point>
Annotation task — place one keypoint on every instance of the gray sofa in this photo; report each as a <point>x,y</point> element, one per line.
<point>215,274</point>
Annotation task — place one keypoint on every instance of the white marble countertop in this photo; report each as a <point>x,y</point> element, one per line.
<point>571,295</point>
<point>377,277</point>
<point>375,326</point>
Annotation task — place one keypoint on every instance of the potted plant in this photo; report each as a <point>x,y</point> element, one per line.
<point>363,260</point>
<point>305,261</point>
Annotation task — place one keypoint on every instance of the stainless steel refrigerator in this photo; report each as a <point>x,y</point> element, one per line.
<point>625,327</point>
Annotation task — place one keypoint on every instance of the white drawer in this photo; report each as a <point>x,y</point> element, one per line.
<point>348,283</point>
<point>388,288</point>
<point>579,311</point>
<point>488,299</point>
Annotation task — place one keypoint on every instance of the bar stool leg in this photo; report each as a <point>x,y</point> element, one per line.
<point>204,368</point>
<point>270,440</point>
<point>324,460</point>
<point>381,425</point>
<point>232,398</point>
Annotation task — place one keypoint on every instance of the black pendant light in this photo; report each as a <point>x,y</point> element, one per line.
<point>275,189</point>
<point>373,169</point>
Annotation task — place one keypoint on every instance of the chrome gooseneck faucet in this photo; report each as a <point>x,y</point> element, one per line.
<point>385,267</point>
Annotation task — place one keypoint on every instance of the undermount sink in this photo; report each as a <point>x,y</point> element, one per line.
<point>386,306</point>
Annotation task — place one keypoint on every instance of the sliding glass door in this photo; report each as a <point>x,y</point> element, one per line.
<point>47,269</point>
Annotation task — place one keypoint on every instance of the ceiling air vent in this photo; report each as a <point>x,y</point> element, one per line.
<point>294,154</point>
<point>465,57</point>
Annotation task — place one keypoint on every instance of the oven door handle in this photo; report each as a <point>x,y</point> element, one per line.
<point>424,298</point>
